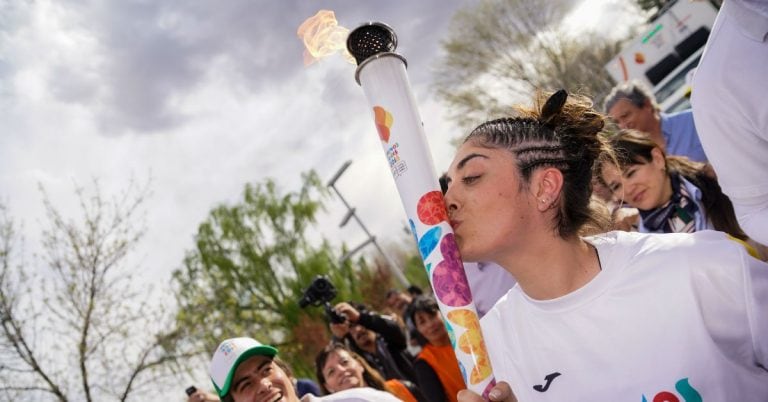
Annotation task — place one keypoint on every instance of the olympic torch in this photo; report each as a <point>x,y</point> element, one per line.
<point>381,73</point>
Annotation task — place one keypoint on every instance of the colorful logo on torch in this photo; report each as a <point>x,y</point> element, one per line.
<point>471,342</point>
<point>383,121</point>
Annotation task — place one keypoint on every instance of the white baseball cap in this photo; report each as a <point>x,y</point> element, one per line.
<point>229,355</point>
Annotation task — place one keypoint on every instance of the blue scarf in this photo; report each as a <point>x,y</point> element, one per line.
<point>677,215</point>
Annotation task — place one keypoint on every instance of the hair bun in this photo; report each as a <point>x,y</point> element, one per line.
<point>553,106</point>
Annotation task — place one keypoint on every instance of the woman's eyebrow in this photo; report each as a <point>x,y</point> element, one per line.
<point>468,158</point>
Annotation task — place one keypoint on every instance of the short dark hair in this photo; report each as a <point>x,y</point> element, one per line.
<point>421,304</point>
<point>415,290</point>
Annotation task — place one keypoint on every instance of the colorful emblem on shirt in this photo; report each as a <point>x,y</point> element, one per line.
<point>683,387</point>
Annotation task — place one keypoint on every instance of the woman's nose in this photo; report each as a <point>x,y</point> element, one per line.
<point>450,202</point>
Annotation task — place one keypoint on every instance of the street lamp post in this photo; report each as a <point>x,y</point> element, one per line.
<point>351,214</point>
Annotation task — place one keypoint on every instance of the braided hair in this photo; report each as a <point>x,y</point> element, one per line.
<point>560,131</point>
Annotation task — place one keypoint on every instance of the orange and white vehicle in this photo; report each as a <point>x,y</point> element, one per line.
<point>666,51</point>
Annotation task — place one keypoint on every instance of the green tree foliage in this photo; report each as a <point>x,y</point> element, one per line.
<point>249,267</point>
<point>499,51</point>
<point>68,326</point>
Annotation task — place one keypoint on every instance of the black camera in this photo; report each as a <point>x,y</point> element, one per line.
<point>319,293</point>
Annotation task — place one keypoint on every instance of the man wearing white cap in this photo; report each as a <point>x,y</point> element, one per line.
<point>244,370</point>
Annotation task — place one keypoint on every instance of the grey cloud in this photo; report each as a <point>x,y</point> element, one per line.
<point>155,51</point>
<point>71,85</point>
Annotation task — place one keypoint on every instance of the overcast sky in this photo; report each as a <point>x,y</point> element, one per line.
<point>204,96</point>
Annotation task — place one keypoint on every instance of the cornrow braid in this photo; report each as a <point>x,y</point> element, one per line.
<point>561,131</point>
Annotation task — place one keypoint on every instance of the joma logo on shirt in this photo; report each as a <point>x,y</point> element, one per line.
<point>685,389</point>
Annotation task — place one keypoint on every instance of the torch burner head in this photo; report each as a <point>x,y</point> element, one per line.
<point>371,39</point>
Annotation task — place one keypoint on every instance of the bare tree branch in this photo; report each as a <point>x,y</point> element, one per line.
<point>88,307</point>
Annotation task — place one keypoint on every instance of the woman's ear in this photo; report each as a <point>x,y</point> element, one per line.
<point>548,185</point>
<point>657,158</point>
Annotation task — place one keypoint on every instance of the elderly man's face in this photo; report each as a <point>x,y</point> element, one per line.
<point>629,116</point>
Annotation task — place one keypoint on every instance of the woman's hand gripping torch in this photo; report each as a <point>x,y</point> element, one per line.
<point>381,74</point>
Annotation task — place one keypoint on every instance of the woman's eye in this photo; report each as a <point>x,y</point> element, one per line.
<point>470,179</point>
<point>630,173</point>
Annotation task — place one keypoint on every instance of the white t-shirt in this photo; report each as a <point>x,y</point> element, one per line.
<point>685,314</point>
<point>354,395</point>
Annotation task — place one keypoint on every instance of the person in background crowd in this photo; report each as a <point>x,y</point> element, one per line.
<point>729,89</point>
<point>615,316</point>
<point>338,368</point>
<point>398,301</point>
<point>302,386</point>
<point>244,370</point>
<point>414,291</point>
<point>633,106</point>
<point>378,339</point>
<point>673,194</point>
<point>437,368</point>
<point>488,282</point>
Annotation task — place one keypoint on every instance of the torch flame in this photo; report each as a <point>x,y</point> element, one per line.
<point>323,36</point>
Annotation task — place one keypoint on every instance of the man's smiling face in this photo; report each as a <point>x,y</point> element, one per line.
<point>260,379</point>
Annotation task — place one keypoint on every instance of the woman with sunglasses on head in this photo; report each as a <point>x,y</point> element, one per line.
<point>614,316</point>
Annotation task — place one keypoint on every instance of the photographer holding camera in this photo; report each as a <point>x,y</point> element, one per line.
<point>377,338</point>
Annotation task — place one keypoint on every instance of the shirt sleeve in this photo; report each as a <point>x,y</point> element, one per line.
<point>732,292</point>
<point>756,300</point>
